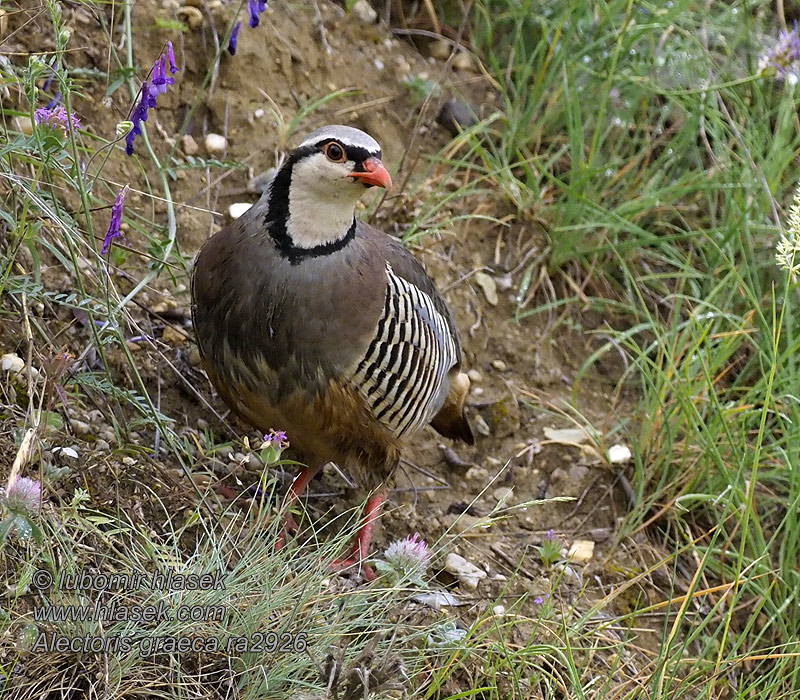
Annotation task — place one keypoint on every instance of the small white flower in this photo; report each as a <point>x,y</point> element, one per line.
<point>787,251</point>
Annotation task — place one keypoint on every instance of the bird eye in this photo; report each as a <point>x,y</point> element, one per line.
<point>335,152</point>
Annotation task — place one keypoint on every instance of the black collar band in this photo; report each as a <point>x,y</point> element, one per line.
<point>278,215</point>
<point>296,254</point>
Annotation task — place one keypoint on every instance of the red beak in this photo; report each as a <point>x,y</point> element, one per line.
<point>374,173</point>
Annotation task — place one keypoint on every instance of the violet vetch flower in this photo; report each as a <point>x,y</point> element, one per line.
<point>23,497</point>
<point>252,7</point>
<point>160,78</point>
<point>173,67</point>
<point>116,220</point>
<point>781,58</point>
<point>55,101</point>
<point>56,117</point>
<point>149,94</point>
<point>255,8</point>
<point>234,40</point>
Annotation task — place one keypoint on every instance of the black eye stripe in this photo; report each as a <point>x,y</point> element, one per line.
<point>357,154</point>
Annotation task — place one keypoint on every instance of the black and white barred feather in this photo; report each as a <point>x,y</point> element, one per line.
<point>403,376</point>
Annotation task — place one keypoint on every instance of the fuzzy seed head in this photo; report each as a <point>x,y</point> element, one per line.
<point>23,497</point>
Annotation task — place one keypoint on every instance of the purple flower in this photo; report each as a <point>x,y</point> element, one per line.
<point>160,78</point>
<point>55,101</point>
<point>149,94</point>
<point>173,67</point>
<point>409,557</point>
<point>116,220</point>
<point>539,600</point>
<point>23,497</point>
<point>256,7</point>
<point>276,439</point>
<point>56,117</point>
<point>551,535</point>
<point>781,57</point>
<point>234,40</point>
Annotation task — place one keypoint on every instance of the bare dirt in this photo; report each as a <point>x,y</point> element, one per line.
<point>525,374</point>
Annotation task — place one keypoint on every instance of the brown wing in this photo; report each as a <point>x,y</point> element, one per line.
<point>450,420</point>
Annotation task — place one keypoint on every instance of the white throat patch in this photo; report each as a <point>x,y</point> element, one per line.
<point>322,199</point>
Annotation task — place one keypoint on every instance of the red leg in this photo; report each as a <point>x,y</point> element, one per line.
<point>304,476</point>
<point>358,554</point>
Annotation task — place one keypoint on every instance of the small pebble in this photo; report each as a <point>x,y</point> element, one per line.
<point>25,125</point>
<point>259,113</point>
<point>69,452</point>
<point>619,454</point>
<point>364,12</point>
<point>482,427</point>
<point>488,287</point>
<point>236,209</point>
<point>504,283</point>
<point>466,572</point>
<point>193,16</point>
<point>12,363</point>
<point>463,61</point>
<point>258,184</point>
<point>475,376</point>
<point>455,116</point>
<point>503,493</point>
<point>440,49</point>
<point>499,611</point>
<point>581,551</point>
<point>102,445</point>
<point>80,427</point>
<point>499,365</point>
<point>476,474</point>
<point>189,145</point>
<point>216,143</point>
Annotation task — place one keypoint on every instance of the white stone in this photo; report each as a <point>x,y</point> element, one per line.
<point>12,363</point>
<point>365,12</point>
<point>619,454</point>
<point>581,551</point>
<point>189,145</point>
<point>437,599</point>
<point>475,376</point>
<point>488,287</point>
<point>69,452</point>
<point>216,143</point>
<point>236,209</point>
<point>466,572</point>
<point>499,611</point>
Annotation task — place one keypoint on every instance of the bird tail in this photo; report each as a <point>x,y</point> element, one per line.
<point>451,421</point>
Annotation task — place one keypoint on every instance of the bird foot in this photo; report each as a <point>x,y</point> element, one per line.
<point>354,560</point>
<point>289,529</point>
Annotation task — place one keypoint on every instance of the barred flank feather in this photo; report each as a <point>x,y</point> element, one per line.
<point>404,372</point>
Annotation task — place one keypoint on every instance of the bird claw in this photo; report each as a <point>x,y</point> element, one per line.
<point>354,560</point>
<point>290,528</point>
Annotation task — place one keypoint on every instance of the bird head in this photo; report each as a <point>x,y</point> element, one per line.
<point>338,162</point>
<point>315,192</point>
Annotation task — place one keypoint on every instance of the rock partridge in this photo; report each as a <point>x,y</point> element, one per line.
<point>313,322</point>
